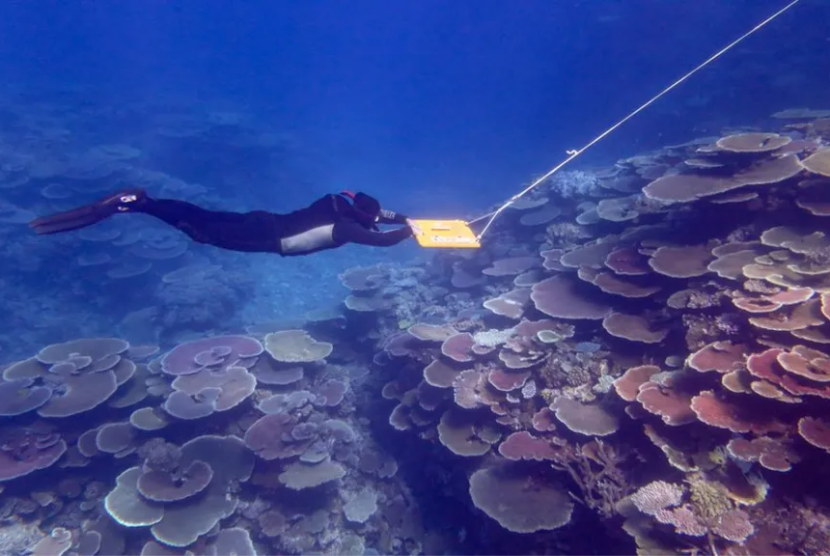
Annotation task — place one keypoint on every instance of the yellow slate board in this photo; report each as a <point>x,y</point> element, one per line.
<point>453,234</point>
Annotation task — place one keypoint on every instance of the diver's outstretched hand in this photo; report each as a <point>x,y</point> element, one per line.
<point>416,229</point>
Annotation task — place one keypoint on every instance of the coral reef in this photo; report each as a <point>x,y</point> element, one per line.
<point>603,363</point>
<point>643,331</point>
<point>218,493</point>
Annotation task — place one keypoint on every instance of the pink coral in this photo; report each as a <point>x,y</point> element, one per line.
<point>458,347</point>
<point>560,297</point>
<point>734,526</point>
<point>523,445</point>
<point>25,450</point>
<point>221,351</point>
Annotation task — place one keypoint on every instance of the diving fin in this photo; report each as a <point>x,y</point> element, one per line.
<point>81,217</point>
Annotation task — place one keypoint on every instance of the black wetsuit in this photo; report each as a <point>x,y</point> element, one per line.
<point>327,223</point>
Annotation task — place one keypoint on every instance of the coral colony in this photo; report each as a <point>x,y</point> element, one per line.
<point>640,351</point>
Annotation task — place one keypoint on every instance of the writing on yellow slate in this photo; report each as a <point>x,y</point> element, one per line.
<point>446,234</point>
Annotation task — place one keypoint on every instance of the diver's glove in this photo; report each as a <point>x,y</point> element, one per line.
<point>416,229</point>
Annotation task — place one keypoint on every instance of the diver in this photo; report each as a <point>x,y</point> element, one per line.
<point>329,222</point>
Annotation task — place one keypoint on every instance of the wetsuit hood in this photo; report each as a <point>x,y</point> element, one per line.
<point>366,209</point>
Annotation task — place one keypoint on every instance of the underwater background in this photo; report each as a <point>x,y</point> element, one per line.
<point>635,360</point>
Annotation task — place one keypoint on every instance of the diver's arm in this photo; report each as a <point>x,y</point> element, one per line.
<point>350,232</point>
<point>390,217</point>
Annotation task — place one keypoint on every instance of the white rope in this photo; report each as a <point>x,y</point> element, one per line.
<point>575,153</point>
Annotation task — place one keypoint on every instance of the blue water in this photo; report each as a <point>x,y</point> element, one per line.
<point>433,97</point>
<point>438,108</point>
